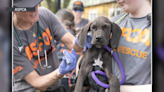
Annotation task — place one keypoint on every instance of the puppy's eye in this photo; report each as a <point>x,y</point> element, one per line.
<point>105,27</point>
<point>94,27</point>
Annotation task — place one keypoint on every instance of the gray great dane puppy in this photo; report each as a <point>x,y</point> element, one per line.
<point>101,29</point>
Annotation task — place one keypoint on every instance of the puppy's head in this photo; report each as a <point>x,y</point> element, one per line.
<point>101,29</point>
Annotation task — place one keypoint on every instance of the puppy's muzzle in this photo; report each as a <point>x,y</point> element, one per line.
<point>98,41</point>
<point>98,38</point>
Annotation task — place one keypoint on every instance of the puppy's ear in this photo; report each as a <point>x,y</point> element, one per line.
<point>82,37</point>
<point>116,33</point>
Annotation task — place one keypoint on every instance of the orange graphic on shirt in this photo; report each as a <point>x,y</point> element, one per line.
<point>142,37</point>
<point>17,69</point>
<point>37,62</point>
<point>28,53</point>
<point>31,50</point>
<point>132,52</point>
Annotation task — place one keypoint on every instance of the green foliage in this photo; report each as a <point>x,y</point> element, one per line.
<point>52,4</point>
<point>65,3</point>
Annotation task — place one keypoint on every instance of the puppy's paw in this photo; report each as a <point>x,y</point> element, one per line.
<point>114,90</point>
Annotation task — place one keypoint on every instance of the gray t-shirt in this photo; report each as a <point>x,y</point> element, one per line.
<point>60,47</point>
<point>134,50</point>
<point>27,62</point>
<point>80,25</point>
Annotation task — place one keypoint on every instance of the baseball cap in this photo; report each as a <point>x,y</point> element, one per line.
<point>26,3</point>
<point>78,4</point>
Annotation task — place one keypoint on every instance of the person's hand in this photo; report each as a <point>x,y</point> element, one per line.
<point>64,67</point>
<point>88,42</point>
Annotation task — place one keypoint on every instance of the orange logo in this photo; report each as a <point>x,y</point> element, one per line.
<point>79,3</point>
<point>132,52</point>
<point>142,37</point>
<point>32,48</point>
<point>19,68</point>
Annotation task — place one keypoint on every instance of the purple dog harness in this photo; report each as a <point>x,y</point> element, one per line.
<point>102,73</point>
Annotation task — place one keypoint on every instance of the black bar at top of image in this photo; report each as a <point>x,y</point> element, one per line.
<point>21,9</point>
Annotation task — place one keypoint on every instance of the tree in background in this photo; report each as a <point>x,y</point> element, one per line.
<point>52,4</point>
<point>65,3</point>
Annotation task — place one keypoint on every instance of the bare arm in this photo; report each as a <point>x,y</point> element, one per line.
<point>69,40</point>
<point>42,82</point>
<point>136,88</point>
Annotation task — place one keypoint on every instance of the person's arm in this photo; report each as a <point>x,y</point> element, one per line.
<point>42,82</point>
<point>45,81</point>
<point>69,41</point>
<point>57,30</point>
<point>136,88</point>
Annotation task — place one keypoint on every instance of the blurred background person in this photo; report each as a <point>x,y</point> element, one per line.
<point>78,10</point>
<point>5,47</point>
<point>67,20</point>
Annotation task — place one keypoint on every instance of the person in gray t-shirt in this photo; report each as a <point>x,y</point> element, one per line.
<point>134,48</point>
<point>78,10</point>
<point>31,73</point>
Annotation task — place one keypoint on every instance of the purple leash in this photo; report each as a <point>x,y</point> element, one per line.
<point>102,73</point>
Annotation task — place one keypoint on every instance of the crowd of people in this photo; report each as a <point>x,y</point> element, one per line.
<point>48,42</point>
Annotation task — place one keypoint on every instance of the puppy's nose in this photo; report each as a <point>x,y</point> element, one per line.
<point>98,38</point>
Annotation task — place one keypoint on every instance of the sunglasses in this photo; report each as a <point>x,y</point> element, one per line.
<point>80,10</point>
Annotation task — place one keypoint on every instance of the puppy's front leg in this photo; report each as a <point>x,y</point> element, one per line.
<point>83,72</point>
<point>113,80</point>
<point>86,65</point>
